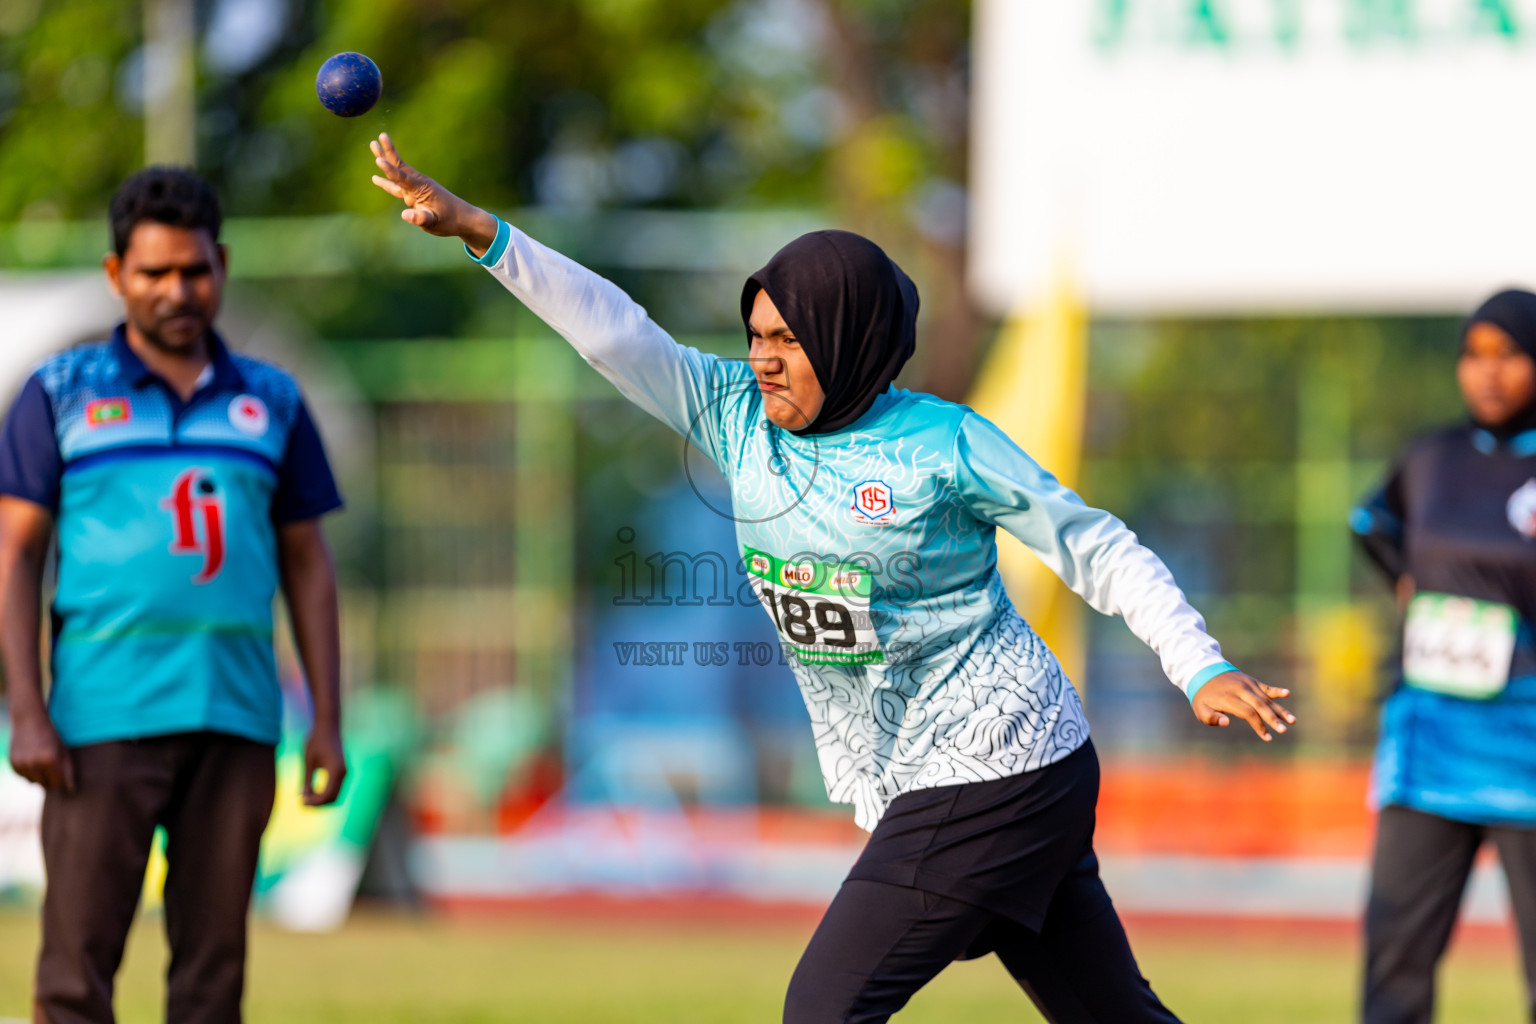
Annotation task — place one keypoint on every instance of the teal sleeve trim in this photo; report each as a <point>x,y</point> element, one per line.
<point>1205,675</point>
<point>493,254</point>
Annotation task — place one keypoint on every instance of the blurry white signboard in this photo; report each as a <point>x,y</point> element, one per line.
<point>1254,155</point>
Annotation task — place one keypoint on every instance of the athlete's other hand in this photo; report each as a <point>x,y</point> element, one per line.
<point>323,753</point>
<point>1236,695</point>
<point>39,756</point>
<point>428,205</point>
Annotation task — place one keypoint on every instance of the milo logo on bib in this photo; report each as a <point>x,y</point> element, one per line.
<point>821,611</point>
<point>800,575</point>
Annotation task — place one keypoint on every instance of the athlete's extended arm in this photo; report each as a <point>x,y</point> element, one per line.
<point>676,384</point>
<point>37,753</point>
<point>1098,556</point>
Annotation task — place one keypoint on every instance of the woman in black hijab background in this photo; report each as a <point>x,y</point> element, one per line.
<point>1454,530</point>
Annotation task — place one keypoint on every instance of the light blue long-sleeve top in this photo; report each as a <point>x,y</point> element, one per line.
<point>873,549</point>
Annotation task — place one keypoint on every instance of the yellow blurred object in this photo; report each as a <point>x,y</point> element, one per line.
<point>1342,647</point>
<point>1034,386</point>
<point>154,874</point>
<point>293,825</point>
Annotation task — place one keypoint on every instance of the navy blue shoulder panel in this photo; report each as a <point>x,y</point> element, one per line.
<point>89,364</point>
<point>273,385</point>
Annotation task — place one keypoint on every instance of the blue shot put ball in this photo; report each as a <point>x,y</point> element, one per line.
<point>349,84</point>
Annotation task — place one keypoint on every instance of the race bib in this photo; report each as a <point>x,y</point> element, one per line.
<point>1458,645</point>
<point>821,611</point>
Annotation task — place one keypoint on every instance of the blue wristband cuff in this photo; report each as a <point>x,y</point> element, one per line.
<point>498,247</point>
<point>1205,675</point>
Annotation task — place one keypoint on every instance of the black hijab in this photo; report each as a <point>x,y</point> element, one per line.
<point>853,311</point>
<point>1512,311</point>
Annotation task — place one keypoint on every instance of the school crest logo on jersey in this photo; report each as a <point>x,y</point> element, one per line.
<point>248,414</point>
<point>102,412</point>
<point>873,504</point>
<point>1521,509</point>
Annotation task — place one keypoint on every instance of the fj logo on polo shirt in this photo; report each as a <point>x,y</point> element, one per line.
<point>102,412</point>
<point>248,414</point>
<point>197,515</point>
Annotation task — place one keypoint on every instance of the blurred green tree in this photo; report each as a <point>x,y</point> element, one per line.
<point>65,70</point>
<point>857,107</point>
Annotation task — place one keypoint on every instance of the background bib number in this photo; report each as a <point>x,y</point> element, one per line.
<point>1458,645</point>
<point>821,611</point>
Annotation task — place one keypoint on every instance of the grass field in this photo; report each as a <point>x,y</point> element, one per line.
<point>384,968</point>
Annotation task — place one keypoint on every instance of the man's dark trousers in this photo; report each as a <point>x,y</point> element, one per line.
<point>213,793</point>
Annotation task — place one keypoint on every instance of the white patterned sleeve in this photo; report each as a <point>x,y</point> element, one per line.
<point>678,384</point>
<point>1093,552</point>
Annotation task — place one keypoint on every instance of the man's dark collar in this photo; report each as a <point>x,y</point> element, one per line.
<point>226,375</point>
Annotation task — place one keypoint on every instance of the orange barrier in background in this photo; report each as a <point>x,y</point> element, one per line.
<point>1235,809</point>
<point>1185,805</point>
<point>1192,806</point>
<point>1186,837</point>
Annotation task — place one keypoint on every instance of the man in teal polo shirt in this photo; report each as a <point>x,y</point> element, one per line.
<point>184,484</point>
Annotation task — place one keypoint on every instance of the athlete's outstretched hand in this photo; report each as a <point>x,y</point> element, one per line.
<point>428,205</point>
<point>1234,694</point>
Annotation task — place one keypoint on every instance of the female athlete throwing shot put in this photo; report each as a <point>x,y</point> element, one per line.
<point>867,519</point>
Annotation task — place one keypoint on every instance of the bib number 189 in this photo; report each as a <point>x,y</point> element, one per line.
<point>820,610</point>
<point>794,617</point>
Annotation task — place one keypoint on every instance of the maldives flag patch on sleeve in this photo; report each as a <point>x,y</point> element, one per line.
<point>101,412</point>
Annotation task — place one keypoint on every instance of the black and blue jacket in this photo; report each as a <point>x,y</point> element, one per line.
<point>1457,515</point>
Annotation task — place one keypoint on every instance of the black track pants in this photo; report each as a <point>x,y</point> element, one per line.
<point>879,943</point>
<point>1419,872</point>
